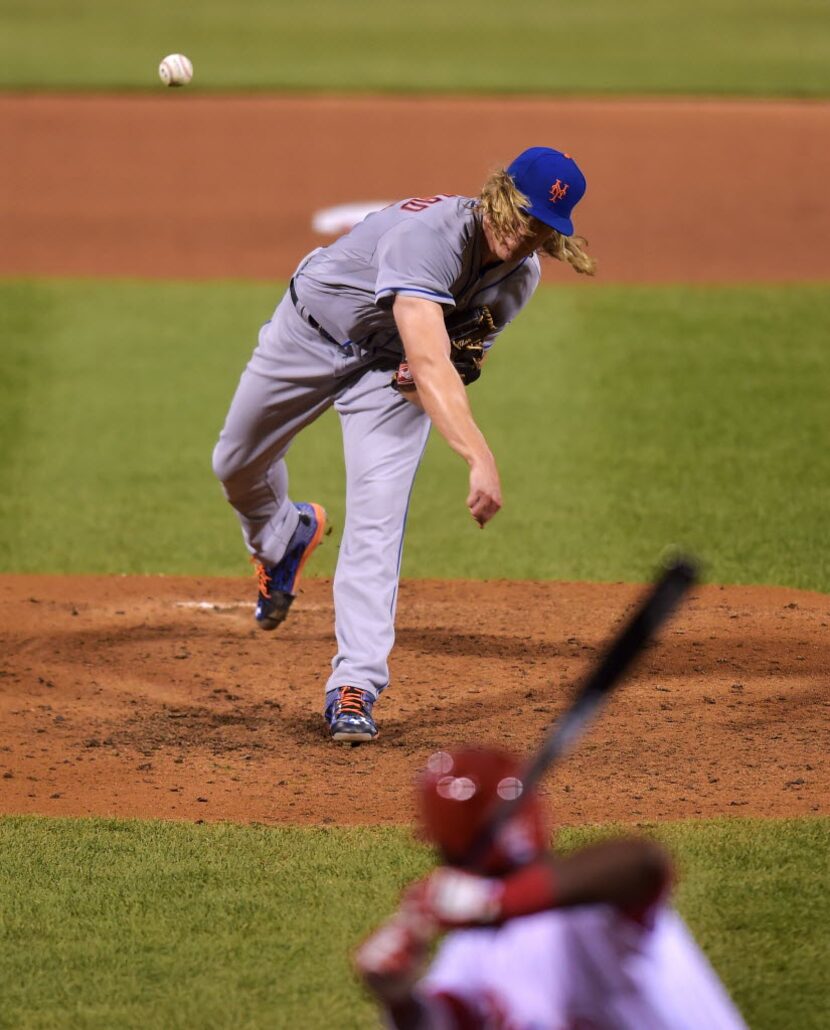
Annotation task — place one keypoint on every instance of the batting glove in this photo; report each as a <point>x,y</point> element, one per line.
<point>453,898</point>
<point>393,958</point>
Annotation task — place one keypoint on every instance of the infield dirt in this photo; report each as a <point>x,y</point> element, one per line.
<point>157,697</point>
<point>179,184</point>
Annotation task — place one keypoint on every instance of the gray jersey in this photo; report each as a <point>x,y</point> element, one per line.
<point>422,247</point>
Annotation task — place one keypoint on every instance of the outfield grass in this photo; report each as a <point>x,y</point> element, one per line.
<point>146,924</point>
<point>624,419</point>
<point>755,47</point>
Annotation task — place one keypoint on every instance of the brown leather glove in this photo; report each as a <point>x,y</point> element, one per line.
<point>467,331</point>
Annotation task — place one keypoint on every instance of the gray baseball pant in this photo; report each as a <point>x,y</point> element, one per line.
<point>294,376</point>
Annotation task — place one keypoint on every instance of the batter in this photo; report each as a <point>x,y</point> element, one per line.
<point>536,941</point>
<point>366,326</point>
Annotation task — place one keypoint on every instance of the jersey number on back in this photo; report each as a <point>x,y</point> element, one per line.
<point>422,203</point>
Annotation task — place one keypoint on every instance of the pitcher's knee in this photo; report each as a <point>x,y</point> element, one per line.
<point>226,462</point>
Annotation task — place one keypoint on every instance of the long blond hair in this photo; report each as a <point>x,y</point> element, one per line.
<point>504,207</point>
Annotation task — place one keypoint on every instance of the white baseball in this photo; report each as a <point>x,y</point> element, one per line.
<point>175,70</point>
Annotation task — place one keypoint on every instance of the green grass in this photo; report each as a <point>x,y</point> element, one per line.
<point>754,47</point>
<point>146,924</point>
<point>624,420</point>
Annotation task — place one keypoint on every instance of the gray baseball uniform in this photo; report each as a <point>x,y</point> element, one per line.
<point>332,341</point>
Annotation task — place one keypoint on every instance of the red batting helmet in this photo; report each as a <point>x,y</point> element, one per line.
<point>457,793</point>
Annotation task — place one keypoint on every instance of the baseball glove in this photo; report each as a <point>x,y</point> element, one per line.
<point>467,331</point>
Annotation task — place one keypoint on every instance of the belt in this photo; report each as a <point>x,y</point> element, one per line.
<point>308,318</point>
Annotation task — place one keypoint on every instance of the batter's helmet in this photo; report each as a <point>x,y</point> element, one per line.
<point>457,793</point>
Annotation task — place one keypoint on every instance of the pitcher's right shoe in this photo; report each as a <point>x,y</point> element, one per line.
<point>349,715</point>
<point>278,583</point>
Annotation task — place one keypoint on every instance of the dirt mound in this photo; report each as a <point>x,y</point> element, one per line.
<point>157,696</point>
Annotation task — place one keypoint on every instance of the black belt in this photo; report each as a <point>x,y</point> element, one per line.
<point>308,318</point>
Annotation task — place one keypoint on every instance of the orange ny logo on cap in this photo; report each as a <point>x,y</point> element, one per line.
<point>558,190</point>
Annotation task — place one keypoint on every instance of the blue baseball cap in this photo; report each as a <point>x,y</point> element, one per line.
<point>553,184</point>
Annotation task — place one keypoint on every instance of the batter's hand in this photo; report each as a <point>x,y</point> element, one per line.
<point>393,958</point>
<point>484,499</point>
<point>453,898</point>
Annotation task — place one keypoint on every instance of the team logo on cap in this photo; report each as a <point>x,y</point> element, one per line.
<point>558,190</point>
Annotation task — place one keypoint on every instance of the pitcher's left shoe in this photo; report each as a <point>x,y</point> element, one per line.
<point>278,583</point>
<point>349,715</point>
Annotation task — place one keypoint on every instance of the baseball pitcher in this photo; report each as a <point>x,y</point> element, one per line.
<point>389,325</point>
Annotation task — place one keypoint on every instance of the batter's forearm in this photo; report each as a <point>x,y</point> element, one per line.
<point>630,873</point>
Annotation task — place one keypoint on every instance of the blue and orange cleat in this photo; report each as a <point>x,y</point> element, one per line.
<point>278,583</point>
<point>349,715</point>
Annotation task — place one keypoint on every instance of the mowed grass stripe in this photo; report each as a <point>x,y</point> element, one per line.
<point>624,419</point>
<point>136,924</point>
<point>754,47</point>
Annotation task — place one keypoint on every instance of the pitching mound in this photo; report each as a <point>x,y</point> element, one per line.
<point>158,697</point>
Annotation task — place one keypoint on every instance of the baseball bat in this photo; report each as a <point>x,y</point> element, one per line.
<point>653,611</point>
